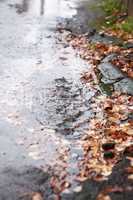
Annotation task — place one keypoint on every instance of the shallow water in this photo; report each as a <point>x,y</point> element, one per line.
<point>43,105</point>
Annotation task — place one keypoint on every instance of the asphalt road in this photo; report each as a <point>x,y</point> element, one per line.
<point>41,96</point>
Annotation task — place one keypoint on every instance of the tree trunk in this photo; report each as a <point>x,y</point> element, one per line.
<point>129,6</point>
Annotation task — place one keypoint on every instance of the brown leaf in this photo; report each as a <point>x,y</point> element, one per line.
<point>37,196</point>
<point>103,197</point>
<point>114,189</point>
<point>108,105</point>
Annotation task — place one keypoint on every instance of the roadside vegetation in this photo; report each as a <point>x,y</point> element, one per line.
<point>116,18</point>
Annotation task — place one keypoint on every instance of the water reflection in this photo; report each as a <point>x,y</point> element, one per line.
<point>42,7</point>
<point>27,4</point>
<point>23,7</point>
<point>49,8</point>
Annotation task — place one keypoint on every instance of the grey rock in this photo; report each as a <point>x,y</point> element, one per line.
<point>107,81</point>
<point>124,86</point>
<point>109,72</point>
<point>129,45</point>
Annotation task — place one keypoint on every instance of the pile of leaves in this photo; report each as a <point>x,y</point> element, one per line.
<point>58,181</point>
<point>110,133</point>
<point>95,52</point>
<point>89,51</point>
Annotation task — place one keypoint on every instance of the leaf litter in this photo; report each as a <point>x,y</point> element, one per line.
<point>110,133</point>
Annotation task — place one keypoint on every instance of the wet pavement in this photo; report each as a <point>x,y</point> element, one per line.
<point>44,108</point>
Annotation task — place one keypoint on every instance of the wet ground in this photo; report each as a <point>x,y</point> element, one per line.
<point>44,108</point>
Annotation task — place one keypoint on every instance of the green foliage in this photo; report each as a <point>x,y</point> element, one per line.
<point>109,21</point>
<point>112,9</point>
<point>127,25</point>
<point>110,6</point>
<point>106,88</point>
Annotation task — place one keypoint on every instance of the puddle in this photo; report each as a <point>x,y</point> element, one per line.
<point>29,182</point>
<point>65,106</point>
<point>44,108</point>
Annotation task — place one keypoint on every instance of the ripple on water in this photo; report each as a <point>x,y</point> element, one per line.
<point>65,106</point>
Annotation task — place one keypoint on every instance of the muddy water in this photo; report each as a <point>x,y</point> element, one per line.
<point>43,105</point>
